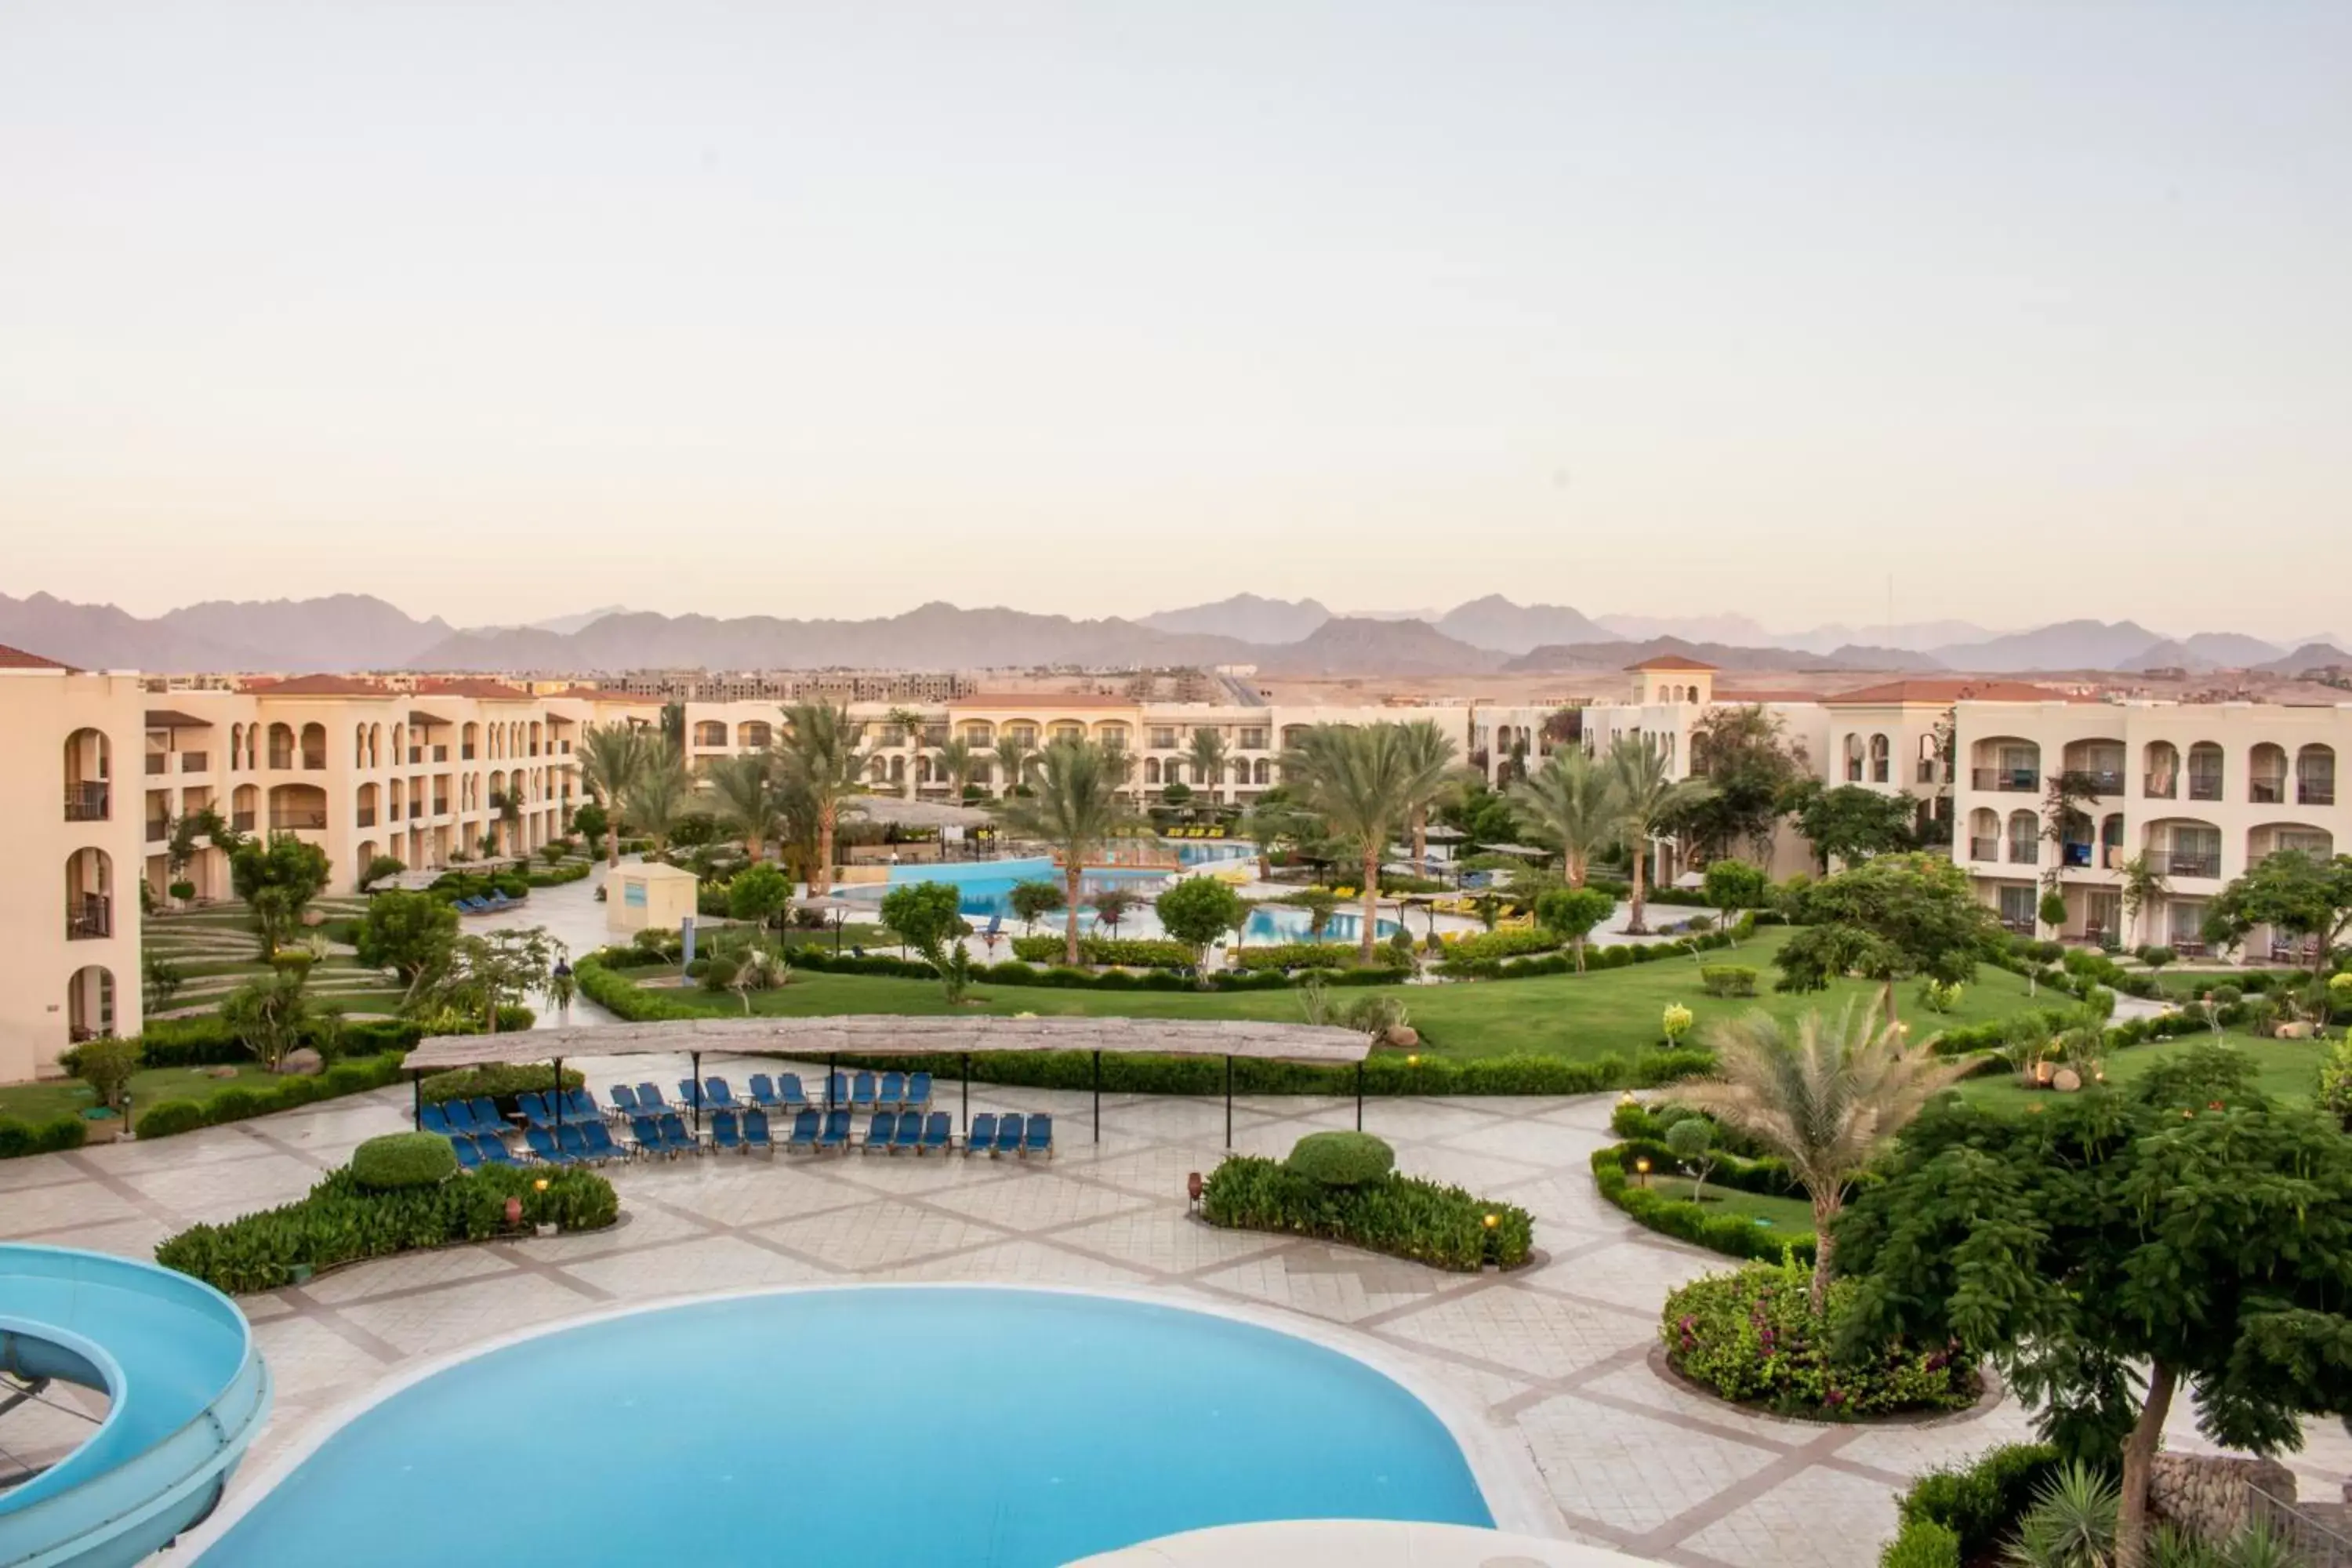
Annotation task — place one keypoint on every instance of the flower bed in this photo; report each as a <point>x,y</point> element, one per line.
<point>1752,1338</point>
<point>1442,1226</point>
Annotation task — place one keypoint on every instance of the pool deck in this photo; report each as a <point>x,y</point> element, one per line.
<point>1554,1360</point>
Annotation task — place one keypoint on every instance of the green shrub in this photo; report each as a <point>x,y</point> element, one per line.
<point>1341,1158</point>
<point>1499,944</point>
<point>236,1104</point>
<point>1926,1544</point>
<point>169,1118</point>
<point>1137,953</point>
<point>1734,1236</point>
<point>499,1081</point>
<point>19,1137</point>
<point>1752,1336</point>
<point>106,1065</point>
<point>399,1160</point>
<point>1288,955</point>
<point>1442,1226</point>
<point>1728,980</point>
<point>1977,1504</point>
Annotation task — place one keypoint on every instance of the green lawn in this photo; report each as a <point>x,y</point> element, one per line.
<point>2286,1070</point>
<point>1580,1016</point>
<point>69,1097</point>
<point>1789,1217</point>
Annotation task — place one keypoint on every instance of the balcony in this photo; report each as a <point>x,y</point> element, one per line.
<point>88,802</point>
<point>241,821</point>
<point>2079,857</point>
<point>2159,786</point>
<point>297,819</point>
<point>2025,851</point>
<point>2099,780</point>
<point>2007,781</point>
<point>158,762</point>
<point>282,760</point>
<point>2266,792</point>
<point>440,753</point>
<point>441,806</point>
<point>195,761</point>
<point>1984,849</point>
<point>416,809</point>
<point>2316,791</point>
<point>2185,862</point>
<point>415,755</point>
<point>2204,786</point>
<point>367,817</point>
<point>159,829</point>
<point>94,919</point>
<point>1926,772</point>
<point>465,754</point>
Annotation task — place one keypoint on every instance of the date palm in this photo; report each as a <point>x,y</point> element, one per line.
<point>958,761</point>
<point>660,793</point>
<point>2143,885</point>
<point>743,788</point>
<point>1432,753</point>
<point>1570,801</point>
<point>1647,795</point>
<point>909,724</point>
<point>823,764</point>
<point>1076,805</point>
<point>1013,757</point>
<point>1206,756</point>
<point>611,758</point>
<point>1825,1100</point>
<point>1362,780</point>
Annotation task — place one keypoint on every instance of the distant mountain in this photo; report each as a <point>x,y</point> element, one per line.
<point>2069,645</point>
<point>1495,622</point>
<point>99,637</point>
<point>2310,655</point>
<point>1620,655</point>
<point>1912,637</point>
<point>342,631</point>
<point>2207,651</point>
<point>1359,646</point>
<point>1862,655</point>
<point>566,624</point>
<point>1245,616</point>
<point>1732,630</point>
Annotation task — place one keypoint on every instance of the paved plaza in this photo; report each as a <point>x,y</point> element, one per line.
<point>1556,1357</point>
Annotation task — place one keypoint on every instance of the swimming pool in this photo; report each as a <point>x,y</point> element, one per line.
<point>986,888</point>
<point>873,1425</point>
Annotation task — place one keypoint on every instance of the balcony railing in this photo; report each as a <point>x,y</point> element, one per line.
<point>158,762</point>
<point>195,761</point>
<point>367,817</point>
<point>2099,780</point>
<point>2078,856</point>
<point>2024,852</point>
<point>465,754</point>
<point>92,919</point>
<point>296,819</point>
<point>242,821</point>
<point>2007,781</point>
<point>440,753</point>
<point>441,807</point>
<point>1984,848</point>
<point>2266,792</point>
<point>282,760</point>
<point>1926,772</point>
<point>2204,786</point>
<point>88,802</point>
<point>2159,786</point>
<point>2185,862</point>
<point>159,829</point>
<point>2316,791</point>
<point>416,809</point>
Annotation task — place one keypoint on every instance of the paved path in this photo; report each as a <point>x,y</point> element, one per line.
<point>1557,1354</point>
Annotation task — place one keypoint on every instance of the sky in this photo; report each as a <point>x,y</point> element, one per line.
<point>503,311</point>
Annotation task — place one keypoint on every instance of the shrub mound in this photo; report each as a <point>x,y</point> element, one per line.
<point>44,1137</point>
<point>1442,1226</point>
<point>1734,1236</point>
<point>501,1082</point>
<point>398,1159</point>
<point>342,1222</point>
<point>1962,1515</point>
<point>1340,1159</point>
<point>168,1117</point>
<point>1137,953</point>
<point>1752,1336</point>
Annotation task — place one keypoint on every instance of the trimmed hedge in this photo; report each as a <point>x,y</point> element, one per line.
<point>1442,1226</point>
<point>1340,1159</point>
<point>1728,979</point>
<point>1753,1337</point>
<point>1963,1515</point>
<point>1500,944</point>
<point>502,1080</point>
<point>556,876</point>
<point>399,1160</point>
<point>1595,958</point>
<point>57,1133</point>
<point>1731,1235</point>
<point>1285,956</point>
<point>342,1222</point>
<point>206,1041</point>
<point>1137,953</point>
<point>167,1118</point>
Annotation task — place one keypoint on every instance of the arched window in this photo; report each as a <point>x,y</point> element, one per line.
<point>89,769</point>
<point>2205,770</point>
<point>281,746</point>
<point>314,747</point>
<point>1984,834</point>
<point>710,732</point>
<point>1151,770</point>
<point>89,895</point>
<point>1931,757</point>
<point>1880,761</point>
<point>2314,775</point>
<point>90,1003</point>
<point>1852,758</point>
<point>2267,774</point>
<point>2024,838</point>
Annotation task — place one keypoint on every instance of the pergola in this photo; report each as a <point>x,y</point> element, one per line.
<point>884,1034</point>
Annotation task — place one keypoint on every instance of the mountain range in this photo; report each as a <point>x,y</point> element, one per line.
<point>1297,637</point>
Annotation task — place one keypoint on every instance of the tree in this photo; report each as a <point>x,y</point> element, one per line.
<point>1851,823</point>
<point>1886,920</point>
<point>1569,802</point>
<point>1032,901</point>
<point>377,869</point>
<point>1321,907</point>
<point>1206,757</point>
<point>1570,913</point>
<point>1647,795</point>
<point>909,722</point>
<point>1693,1142</point>
<point>1074,806</point>
<point>2292,893</point>
<point>277,879</point>
<point>1276,817</point>
<point>743,788</point>
<point>1013,759</point>
<point>1825,1100</point>
<point>929,918</point>
<point>657,796</point>
<point>1177,793</point>
<point>483,973</point>
<point>1110,907</point>
<point>1430,754</point>
<point>161,980</point>
<point>611,758</point>
<point>106,1065</point>
<point>2191,1228</point>
<point>1480,814</point>
<point>1734,885</point>
<point>269,1015</point>
<point>592,822</point>
<point>2142,887</point>
<point>758,894</point>
<point>958,763</point>
<point>1363,779</point>
<point>825,765</point>
<point>1737,749</point>
<point>1197,911</point>
<point>408,933</point>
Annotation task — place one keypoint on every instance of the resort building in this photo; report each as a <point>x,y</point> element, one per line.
<point>70,930</point>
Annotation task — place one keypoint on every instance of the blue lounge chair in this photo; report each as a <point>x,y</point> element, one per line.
<point>718,1091</point>
<point>756,1134</point>
<point>675,1137</point>
<point>581,1103</point>
<point>689,1093</point>
<point>764,1092</point>
<point>1008,1134</point>
<point>789,1090</point>
<point>894,1090</point>
<point>647,1135</point>
<point>1039,1138</point>
<point>804,1126</point>
<point>459,1116</point>
<point>433,1119</point>
<point>982,1135</point>
<point>861,1093</point>
<point>472,906</point>
<point>494,1153</point>
<point>836,1131</point>
<point>650,1101</point>
<point>881,1130</point>
<point>910,1131</point>
<point>623,1098</point>
<point>837,1090</point>
<point>574,1145</point>
<point>600,1142</point>
<point>534,1109</point>
<point>724,1133</point>
<point>542,1146</point>
<point>994,927</point>
<point>918,1092</point>
<point>938,1133</point>
<point>468,1157</point>
<point>485,1115</point>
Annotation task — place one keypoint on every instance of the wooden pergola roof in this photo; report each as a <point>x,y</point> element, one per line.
<point>890,1035</point>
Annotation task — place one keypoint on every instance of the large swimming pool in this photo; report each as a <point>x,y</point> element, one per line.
<point>986,887</point>
<point>873,1425</point>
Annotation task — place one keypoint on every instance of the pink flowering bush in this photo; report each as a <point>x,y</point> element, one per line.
<point>1752,1337</point>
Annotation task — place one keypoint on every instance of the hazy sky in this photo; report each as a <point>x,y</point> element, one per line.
<point>501,311</point>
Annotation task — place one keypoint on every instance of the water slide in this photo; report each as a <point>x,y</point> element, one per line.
<point>188,1392</point>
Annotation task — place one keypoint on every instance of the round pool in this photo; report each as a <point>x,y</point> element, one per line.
<point>873,1425</point>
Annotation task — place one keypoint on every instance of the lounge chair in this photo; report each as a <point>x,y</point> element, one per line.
<point>460,1118</point>
<point>468,1157</point>
<point>764,1092</point>
<point>471,906</point>
<point>881,1130</point>
<point>690,1095</point>
<point>939,1133</point>
<point>836,1131</point>
<point>861,1093</point>
<point>803,1135</point>
<point>433,1119</point>
<point>982,1135</point>
<point>909,1134</point>
<point>581,1103</point>
<point>650,1101</point>
<point>1039,1137</point>
<point>625,1101</point>
<point>837,1090</point>
<point>893,1092</point>
<point>718,1091</point>
<point>574,1145</point>
<point>918,1092</point>
<point>493,1153</point>
<point>756,1134</point>
<point>647,1135</point>
<point>1008,1135</point>
<point>600,1142</point>
<point>542,1146</point>
<point>534,1109</point>
<point>789,1090</point>
<point>724,1133</point>
<point>485,1115</point>
<point>675,1137</point>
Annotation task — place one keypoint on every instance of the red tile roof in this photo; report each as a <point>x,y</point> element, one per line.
<point>486,690</point>
<point>319,686</point>
<point>17,658</point>
<point>1670,661</point>
<point>1773,695</point>
<point>1943,693</point>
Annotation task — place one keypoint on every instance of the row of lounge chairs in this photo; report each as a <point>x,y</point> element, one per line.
<point>887,1132</point>
<point>489,904</point>
<point>784,1093</point>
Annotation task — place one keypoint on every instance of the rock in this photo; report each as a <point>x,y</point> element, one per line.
<point>304,1063</point>
<point>314,917</point>
<point>2210,1496</point>
<point>2294,1031</point>
<point>2067,1080</point>
<point>1404,1036</point>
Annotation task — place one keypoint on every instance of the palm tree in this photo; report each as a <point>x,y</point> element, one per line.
<point>2142,886</point>
<point>1363,780</point>
<point>825,765</point>
<point>1013,757</point>
<point>744,788</point>
<point>1823,1101</point>
<point>1647,795</point>
<point>958,761</point>
<point>910,724</point>
<point>657,796</point>
<point>1571,802</point>
<point>610,757</point>
<point>1431,751</point>
<point>1207,757</point>
<point>1075,807</point>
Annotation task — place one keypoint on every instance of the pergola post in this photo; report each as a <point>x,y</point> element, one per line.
<point>417,1100</point>
<point>1229,1105</point>
<point>559,1103</point>
<point>1359,1094</point>
<point>967,1096</point>
<point>829,1059</point>
<point>1098,1096</point>
<point>696,1057</point>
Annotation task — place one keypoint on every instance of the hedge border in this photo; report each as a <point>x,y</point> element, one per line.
<point>1686,1220</point>
<point>169,1118</point>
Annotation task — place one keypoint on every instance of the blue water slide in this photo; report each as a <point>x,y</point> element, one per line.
<point>187,1392</point>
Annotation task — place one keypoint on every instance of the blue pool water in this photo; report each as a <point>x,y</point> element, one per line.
<point>986,887</point>
<point>876,1425</point>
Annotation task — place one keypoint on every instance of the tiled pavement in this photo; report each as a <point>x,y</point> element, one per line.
<point>1558,1355</point>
